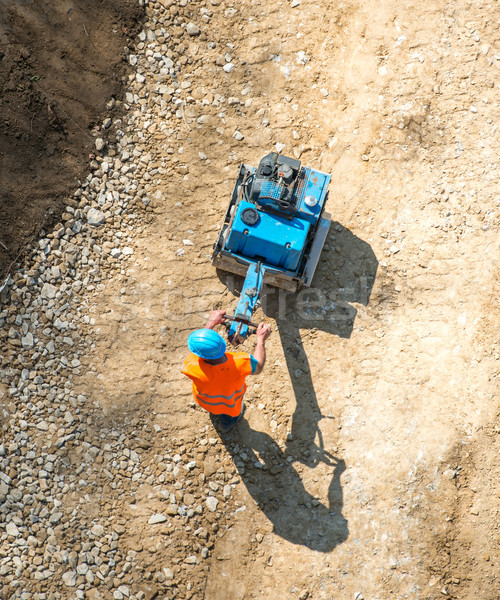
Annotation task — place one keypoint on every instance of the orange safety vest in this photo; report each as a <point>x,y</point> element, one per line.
<point>219,388</point>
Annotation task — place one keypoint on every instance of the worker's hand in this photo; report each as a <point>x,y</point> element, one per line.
<point>216,318</point>
<point>263,332</point>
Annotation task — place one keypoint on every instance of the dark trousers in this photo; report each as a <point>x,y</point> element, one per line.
<point>226,421</point>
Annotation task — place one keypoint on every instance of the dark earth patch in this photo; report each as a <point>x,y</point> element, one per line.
<point>60,65</point>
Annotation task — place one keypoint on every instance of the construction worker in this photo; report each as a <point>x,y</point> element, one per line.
<point>218,376</point>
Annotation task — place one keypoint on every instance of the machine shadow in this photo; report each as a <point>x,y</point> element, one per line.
<point>345,275</point>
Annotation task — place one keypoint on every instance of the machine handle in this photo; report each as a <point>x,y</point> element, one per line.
<point>240,320</point>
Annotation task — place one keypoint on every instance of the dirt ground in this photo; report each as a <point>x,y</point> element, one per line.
<point>372,439</point>
<point>60,65</point>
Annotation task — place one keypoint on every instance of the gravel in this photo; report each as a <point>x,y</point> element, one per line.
<point>68,475</point>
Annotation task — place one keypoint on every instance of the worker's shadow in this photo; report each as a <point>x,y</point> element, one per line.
<point>278,490</point>
<point>345,274</point>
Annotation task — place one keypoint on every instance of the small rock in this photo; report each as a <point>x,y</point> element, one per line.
<point>209,467</point>
<point>157,518</point>
<point>119,529</point>
<point>302,57</point>
<point>55,518</point>
<point>82,568</point>
<point>449,474</point>
<point>188,499</point>
<point>279,147</point>
<point>27,341</point>
<point>238,136</point>
<point>125,590</point>
<point>228,67</point>
<point>211,503</point>
<point>58,324</point>
<point>192,29</point>
<point>69,578</point>
<point>99,144</point>
<point>97,530</point>
<point>49,291</point>
<point>5,478</point>
<point>95,217</point>
<point>12,529</point>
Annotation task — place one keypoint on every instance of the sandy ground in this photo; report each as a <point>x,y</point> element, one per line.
<point>380,386</point>
<point>376,422</point>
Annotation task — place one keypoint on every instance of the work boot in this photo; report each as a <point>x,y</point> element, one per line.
<point>226,427</point>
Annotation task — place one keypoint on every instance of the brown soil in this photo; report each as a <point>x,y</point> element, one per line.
<point>60,64</point>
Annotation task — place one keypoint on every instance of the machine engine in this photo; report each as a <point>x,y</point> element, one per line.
<point>274,229</point>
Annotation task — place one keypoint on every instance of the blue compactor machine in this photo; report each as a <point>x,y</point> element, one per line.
<point>273,232</point>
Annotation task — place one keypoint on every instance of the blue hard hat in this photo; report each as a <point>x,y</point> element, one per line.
<point>207,344</point>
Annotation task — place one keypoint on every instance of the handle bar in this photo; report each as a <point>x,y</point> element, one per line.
<point>240,320</point>
<point>236,339</point>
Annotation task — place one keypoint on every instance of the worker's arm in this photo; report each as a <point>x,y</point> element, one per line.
<point>216,318</point>
<point>263,332</point>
